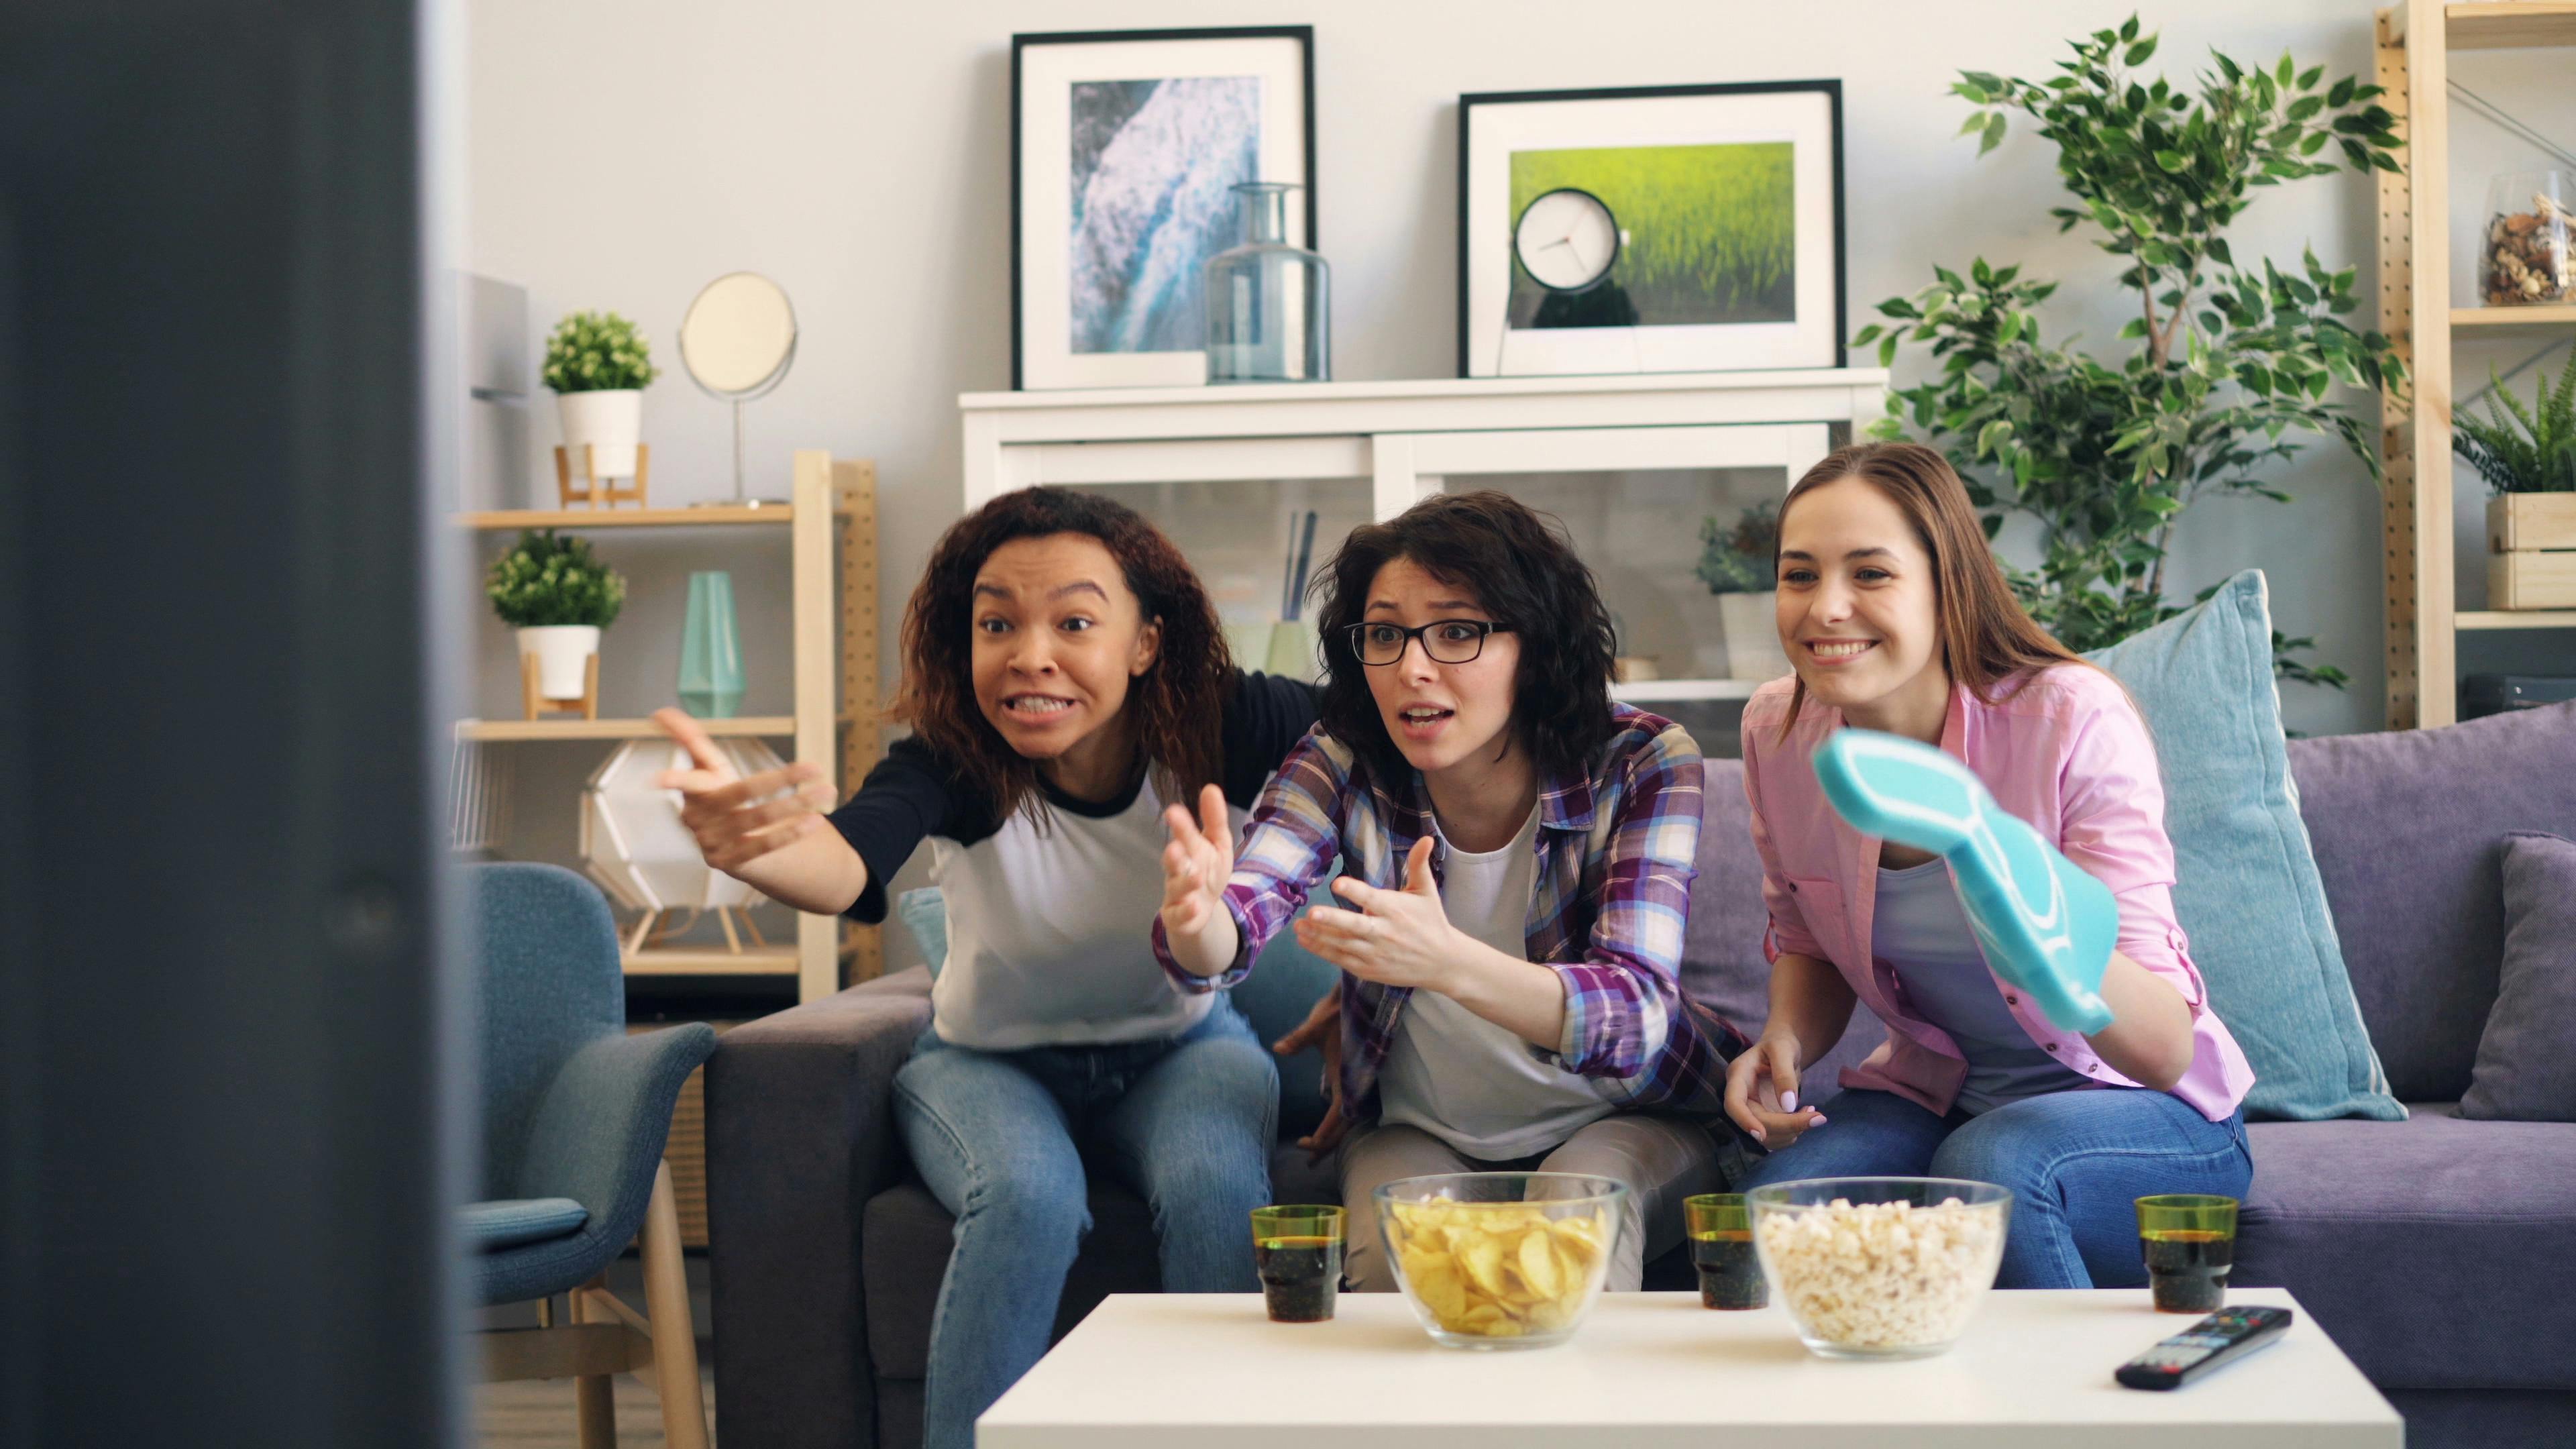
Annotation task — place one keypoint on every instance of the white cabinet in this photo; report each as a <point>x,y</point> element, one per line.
<point>1632,464</point>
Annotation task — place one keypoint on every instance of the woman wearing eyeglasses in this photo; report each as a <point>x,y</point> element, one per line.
<point>1517,858</point>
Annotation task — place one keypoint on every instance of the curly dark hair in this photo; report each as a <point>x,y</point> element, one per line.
<point>1519,564</point>
<point>1177,703</point>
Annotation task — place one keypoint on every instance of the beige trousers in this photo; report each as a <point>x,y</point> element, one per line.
<point>1662,1159</point>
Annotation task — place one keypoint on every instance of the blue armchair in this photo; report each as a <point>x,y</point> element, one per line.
<point>575,1113</point>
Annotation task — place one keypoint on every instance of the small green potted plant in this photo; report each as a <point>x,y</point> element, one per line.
<point>1736,563</point>
<point>598,365</point>
<point>2527,454</point>
<point>558,595</point>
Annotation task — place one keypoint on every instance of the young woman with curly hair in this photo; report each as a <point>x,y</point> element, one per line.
<point>1517,854</point>
<point>1065,677</point>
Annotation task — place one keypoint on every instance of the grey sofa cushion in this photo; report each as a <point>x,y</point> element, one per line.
<point>1722,962</point>
<point>2405,827</point>
<point>2435,1250</point>
<point>2526,1069</point>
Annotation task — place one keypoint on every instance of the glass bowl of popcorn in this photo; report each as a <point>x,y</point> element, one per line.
<point>1501,1259</point>
<point>1880,1267</point>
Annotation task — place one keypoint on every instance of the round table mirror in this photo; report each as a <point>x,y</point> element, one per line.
<point>737,341</point>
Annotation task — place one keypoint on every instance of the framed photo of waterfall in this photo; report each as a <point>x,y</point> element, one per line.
<point>1125,149</point>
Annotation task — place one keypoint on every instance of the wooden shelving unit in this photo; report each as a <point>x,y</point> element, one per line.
<point>834,654</point>
<point>2424,620</point>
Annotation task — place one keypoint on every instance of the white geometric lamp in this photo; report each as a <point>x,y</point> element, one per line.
<point>633,844</point>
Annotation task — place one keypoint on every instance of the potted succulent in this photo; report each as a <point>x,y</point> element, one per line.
<point>558,595</point>
<point>1736,564</point>
<point>598,366</point>
<point>2528,457</point>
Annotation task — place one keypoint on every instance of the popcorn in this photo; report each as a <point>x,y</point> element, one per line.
<point>1881,1275</point>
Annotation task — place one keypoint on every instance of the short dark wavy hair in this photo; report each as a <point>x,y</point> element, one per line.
<point>1517,563</point>
<point>1178,703</point>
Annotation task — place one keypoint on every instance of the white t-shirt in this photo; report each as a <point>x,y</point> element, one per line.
<point>1459,1077</point>
<point>1050,935</point>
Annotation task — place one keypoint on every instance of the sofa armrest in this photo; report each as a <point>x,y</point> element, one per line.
<point>800,1134</point>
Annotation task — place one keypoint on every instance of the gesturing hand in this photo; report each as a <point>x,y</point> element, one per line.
<point>1395,938</point>
<point>1322,1029</point>
<point>736,820</point>
<point>1196,865</point>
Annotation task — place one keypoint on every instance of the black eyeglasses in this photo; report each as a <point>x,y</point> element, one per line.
<point>1446,641</point>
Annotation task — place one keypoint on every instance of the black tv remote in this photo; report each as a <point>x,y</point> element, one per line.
<point>2207,1346</point>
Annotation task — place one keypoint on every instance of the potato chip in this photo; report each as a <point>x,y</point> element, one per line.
<point>1498,1270</point>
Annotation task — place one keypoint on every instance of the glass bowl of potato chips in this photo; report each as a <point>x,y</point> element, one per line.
<point>1501,1259</point>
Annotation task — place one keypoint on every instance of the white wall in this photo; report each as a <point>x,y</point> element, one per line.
<point>623,153</point>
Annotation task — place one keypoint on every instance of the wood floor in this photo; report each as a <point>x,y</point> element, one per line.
<point>537,1414</point>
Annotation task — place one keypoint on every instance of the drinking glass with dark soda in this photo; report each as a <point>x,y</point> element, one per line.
<point>1721,1240</point>
<point>1297,1250</point>
<point>2190,1244</point>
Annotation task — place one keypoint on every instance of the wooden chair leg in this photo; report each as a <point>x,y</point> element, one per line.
<point>594,1407</point>
<point>666,1303</point>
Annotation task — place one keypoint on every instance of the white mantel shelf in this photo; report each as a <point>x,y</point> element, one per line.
<point>1404,434</point>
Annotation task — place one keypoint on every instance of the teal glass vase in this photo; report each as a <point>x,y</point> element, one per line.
<point>711,649</point>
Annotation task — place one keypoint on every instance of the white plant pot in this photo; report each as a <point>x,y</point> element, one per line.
<point>611,421</point>
<point>561,650</point>
<point>1752,635</point>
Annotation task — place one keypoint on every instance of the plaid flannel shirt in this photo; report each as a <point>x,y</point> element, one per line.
<point>1616,858</point>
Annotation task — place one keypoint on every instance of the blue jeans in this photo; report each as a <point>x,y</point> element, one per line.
<point>1001,1138</point>
<point>2076,1161</point>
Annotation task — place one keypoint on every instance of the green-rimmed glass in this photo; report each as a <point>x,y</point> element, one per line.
<point>1721,1239</point>
<point>1297,1250</point>
<point>2190,1243</point>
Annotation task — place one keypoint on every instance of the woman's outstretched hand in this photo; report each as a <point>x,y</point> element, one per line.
<point>1395,938</point>
<point>1196,866</point>
<point>768,830</point>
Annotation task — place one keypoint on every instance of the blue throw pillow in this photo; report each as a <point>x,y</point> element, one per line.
<point>2248,893</point>
<point>924,912</point>
<point>1283,987</point>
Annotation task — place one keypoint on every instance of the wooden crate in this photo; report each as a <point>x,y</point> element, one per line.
<point>2531,579</point>
<point>2522,521</point>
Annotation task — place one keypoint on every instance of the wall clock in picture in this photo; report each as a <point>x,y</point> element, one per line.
<point>1125,149</point>
<point>1665,229</point>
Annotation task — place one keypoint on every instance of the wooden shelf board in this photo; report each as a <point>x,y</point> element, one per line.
<point>774,960</point>
<point>2560,318</point>
<point>2509,24</point>
<point>627,517</point>
<point>2516,618</point>
<point>1652,691</point>
<point>766,726</point>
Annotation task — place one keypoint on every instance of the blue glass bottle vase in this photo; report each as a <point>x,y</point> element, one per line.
<point>711,649</point>
<point>1269,304</point>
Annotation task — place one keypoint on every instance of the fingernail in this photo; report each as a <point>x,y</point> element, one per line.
<point>1761,1136</point>
<point>1817,1121</point>
<point>1788,1101</point>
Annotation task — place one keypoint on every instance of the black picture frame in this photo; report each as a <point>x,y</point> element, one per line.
<point>1303,35</point>
<point>1830,89</point>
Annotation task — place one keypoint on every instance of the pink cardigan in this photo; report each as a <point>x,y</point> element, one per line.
<point>2065,752</point>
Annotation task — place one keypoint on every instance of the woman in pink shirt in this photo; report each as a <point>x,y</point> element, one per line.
<point>1896,618</point>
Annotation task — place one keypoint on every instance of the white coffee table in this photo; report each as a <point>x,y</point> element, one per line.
<point>1651,1370</point>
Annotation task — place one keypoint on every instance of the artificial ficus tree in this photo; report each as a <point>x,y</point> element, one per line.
<point>2223,362</point>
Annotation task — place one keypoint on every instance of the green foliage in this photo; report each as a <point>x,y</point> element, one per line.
<point>545,579</point>
<point>2106,455</point>
<point>2518,449</point>
<point>1711,229</point>
<point>597,352</point>
<point>1738,560</point>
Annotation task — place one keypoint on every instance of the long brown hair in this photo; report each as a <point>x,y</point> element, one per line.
<point>1177,703</point>
<point>1987,638</point>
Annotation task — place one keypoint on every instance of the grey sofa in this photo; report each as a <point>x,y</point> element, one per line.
<point>2439,1253</point>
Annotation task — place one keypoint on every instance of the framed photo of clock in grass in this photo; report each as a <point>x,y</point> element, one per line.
<point>1664,229</point>
<point>1125,149</point>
